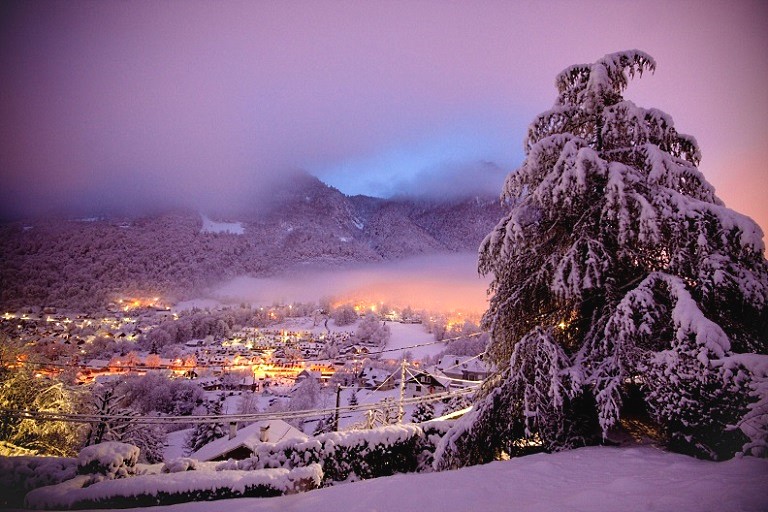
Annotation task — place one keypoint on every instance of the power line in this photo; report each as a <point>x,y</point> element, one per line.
<point>219,418</point>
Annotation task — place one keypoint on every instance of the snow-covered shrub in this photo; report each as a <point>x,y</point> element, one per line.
<point>19,475</point>
<point>107,461</point>
<point>183,487</point>
<point>354,455</point>
<point>363,454</point>
<point>179,464</point>
<point>276,468</point>
<point>424,411</point>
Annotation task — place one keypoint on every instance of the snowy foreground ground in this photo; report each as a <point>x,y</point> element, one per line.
<point>588,479</point>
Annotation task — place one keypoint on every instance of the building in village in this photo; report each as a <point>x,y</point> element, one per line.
<point>241,443</point>
<point>376,378</point>
<point>463,367</point>
<point>424,383</point>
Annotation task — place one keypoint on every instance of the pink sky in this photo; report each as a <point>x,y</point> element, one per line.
<point>122,104</point>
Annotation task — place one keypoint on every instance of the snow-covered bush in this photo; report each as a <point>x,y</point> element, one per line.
<point>107,461</point>
<point>183,487</point>
<point>353,455</point>
<point>363,454</point>
<point>616,271</point>
<point>19,475</point>
<point>276,468</point>
<point>179,464</point>
<point>424,411</point>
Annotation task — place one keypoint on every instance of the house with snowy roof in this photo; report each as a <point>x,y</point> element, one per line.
<point>425,383</point>
<point>241,443</point>
<point>463,367</point>
<point>308,373</point>
<point>376,378</point>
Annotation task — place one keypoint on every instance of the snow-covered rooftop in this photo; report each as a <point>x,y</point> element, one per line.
<point>249,436</point>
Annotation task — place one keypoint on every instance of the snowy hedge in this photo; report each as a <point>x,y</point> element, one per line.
<point>107,471</point>
<point>354,455</point>
<point>105,461</point>
<point>149,490</point>
<point>19,475</point>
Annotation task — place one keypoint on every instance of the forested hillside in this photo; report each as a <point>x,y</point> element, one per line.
<point>85,262</point>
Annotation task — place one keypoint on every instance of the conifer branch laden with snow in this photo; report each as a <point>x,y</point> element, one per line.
<point>619,259</point>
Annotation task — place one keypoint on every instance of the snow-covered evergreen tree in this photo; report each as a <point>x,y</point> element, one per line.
<point>456,403</point>
<point>424,411</point>
<point>204,433</point>
<point>353,399</point>
<point>324,425</point>
<point>616,267</point>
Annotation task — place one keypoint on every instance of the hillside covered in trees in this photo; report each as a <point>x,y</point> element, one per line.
<point>84,263</point>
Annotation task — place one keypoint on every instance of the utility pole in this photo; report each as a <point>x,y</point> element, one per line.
<point>338,402</point>
<point>400,411</point>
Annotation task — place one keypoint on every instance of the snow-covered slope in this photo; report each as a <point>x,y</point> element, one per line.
<point>589,479</point>
<point>212,226</point>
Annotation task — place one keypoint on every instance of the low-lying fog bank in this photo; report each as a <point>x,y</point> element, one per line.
<point>443,282</point>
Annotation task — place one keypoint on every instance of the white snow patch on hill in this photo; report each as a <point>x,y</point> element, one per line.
<point>594,479</point>
<point>212,226</point>
<point>404,336</point>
